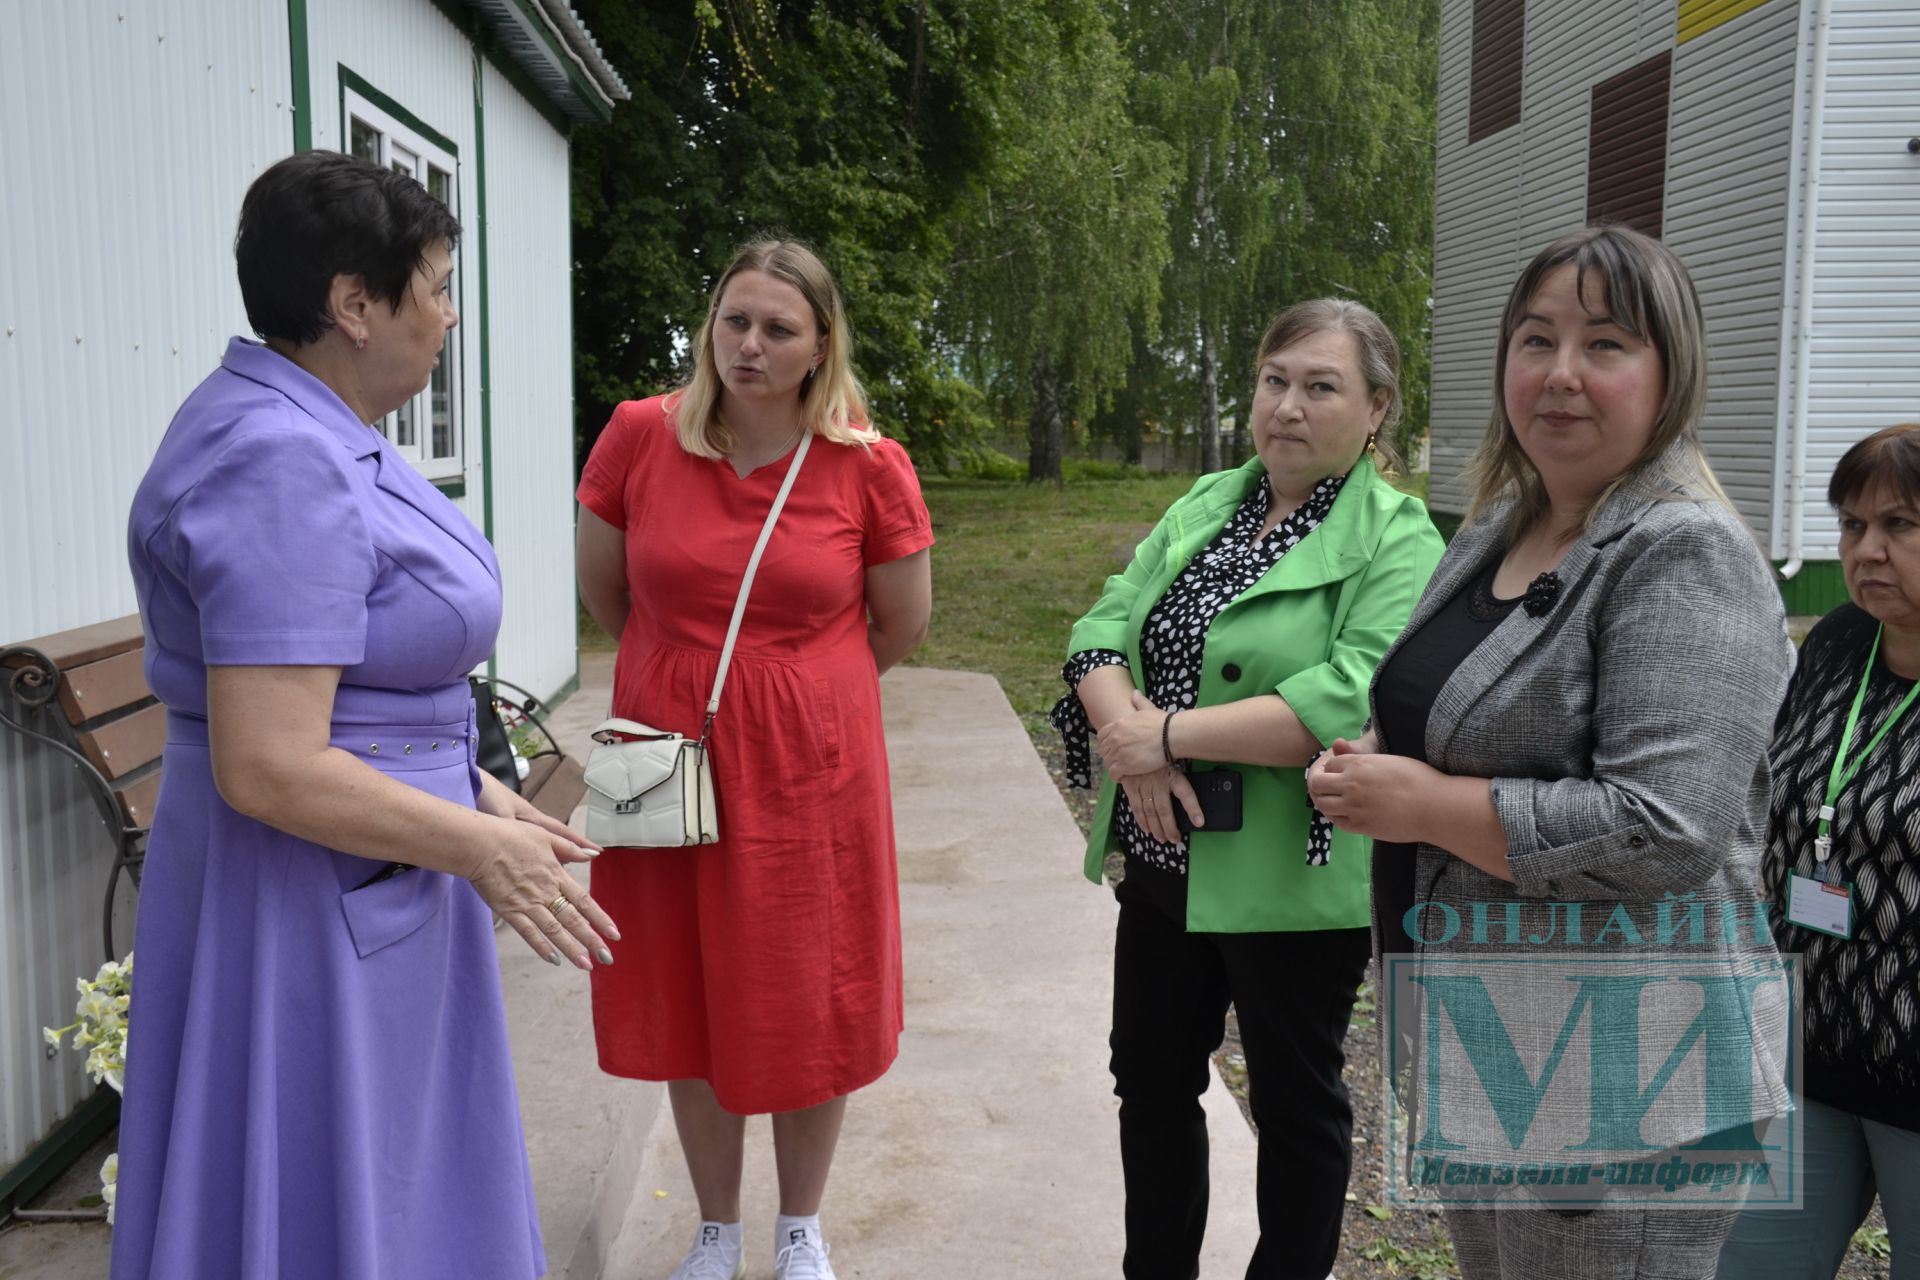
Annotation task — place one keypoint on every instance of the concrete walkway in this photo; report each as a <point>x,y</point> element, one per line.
<point>989,1150</point>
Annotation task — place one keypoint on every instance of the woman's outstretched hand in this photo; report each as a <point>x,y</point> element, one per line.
<point>522,877</point>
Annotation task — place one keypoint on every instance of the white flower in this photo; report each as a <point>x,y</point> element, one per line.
<point>109,1183</point>
<point>52,1036</point>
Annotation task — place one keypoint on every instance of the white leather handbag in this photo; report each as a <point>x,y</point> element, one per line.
<point>647,788</point>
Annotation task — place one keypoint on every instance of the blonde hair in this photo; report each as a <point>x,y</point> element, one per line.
<point>832,403</point>
<point>1379,359</point>
<point>1651,296</point>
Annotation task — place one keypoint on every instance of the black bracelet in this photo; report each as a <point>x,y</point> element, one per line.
<point>1166,736</point>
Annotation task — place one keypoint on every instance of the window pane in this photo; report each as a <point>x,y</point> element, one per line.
<point>403,161</point>
<point>439,185</point>
<point>440,398</point>
<point>404,433</point>
<point>366,141</point>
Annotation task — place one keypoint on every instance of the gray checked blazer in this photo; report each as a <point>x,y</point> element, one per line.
<point>1625,733</point>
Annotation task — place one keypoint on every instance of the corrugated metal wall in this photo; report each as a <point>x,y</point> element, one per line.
<point>117,296</point>
<point>528,248</point>
<point>1727,190</point>
<point>1866,306</point>
<point>1499,200</point>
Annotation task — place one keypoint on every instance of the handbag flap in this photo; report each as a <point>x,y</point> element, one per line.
<point>627,770</point>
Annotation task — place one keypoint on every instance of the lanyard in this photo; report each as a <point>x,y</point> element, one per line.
<point>1842,772</point>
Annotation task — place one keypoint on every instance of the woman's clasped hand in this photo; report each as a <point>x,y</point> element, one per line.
<point>1359,789</point>
<point>1133,750</point>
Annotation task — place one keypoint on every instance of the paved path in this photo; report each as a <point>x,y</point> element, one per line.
<point>988,1151</point>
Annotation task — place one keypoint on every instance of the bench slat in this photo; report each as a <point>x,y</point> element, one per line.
<point>82,645</point>
<point>554,785</point>
<point>122,746</point>
<point>137,800</point>
<point>102,688</point>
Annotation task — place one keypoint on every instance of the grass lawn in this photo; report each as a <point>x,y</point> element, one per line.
<point>1015,564</point>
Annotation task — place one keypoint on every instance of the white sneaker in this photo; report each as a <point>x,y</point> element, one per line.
<point>711,1259</point>
<point>804,1259</point>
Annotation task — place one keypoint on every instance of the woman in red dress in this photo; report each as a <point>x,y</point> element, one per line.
<point>761,973</point>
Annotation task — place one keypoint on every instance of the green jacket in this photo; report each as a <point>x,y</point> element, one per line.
<point>1312,630</point>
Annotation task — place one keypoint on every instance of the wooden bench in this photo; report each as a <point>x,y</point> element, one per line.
<point>84,694</point>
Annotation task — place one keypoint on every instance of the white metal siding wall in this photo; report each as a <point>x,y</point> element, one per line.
<point>413,54</point>
<point>1498,201</point>
<point>529,294</point>
<point>117,290</point>
<point>1475,254</point>
<point>1865,372</point>
<point>117,296</point>
<point>1728,183</point>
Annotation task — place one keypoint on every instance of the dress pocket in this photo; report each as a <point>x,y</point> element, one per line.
<point>827,728</point>
<point>392,907</point>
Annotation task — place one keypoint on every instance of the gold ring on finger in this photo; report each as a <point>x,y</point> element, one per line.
<point>558,903</point>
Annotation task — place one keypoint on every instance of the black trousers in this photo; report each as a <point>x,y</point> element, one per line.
<point>1294,993</point>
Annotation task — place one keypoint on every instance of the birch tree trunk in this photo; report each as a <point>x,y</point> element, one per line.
<point>1209,398</point>
<point>1046,427</point>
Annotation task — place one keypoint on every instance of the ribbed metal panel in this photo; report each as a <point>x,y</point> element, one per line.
<point>1497,201</point>
<point>1627,146</point>
<point>1866,304</point>
<point>117,295</point>
<point>532,334</point>
<point>1499,50</point>
<point>1697,17</point>
<point>1728,184</point>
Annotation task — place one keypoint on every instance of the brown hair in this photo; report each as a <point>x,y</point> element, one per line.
<point>832,403</point>
<point>1891,454</point>
<point>1379,358</point>
<point>1650,295</point>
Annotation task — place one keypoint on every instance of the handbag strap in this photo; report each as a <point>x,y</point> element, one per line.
<point>746,583</point>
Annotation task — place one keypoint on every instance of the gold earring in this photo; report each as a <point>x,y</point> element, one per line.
<point>1370,439</point>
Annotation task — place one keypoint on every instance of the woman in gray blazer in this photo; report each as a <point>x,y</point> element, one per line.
<point>1566,781</point>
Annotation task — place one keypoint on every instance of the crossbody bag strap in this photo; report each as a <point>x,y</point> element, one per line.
<point>746,583</point>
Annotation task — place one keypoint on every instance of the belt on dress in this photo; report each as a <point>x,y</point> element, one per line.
<point>389,747</point>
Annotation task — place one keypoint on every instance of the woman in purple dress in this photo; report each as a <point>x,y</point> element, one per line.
<point>319,1084</point>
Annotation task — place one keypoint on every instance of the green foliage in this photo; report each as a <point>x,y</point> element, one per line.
<point>1014,565</point>
<point>1874,1243</point>
<point>1061,238</point>
<point>1077,214</point>
<point>1422,1262</point>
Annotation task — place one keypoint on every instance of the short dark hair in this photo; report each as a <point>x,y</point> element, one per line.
<point>1891,454</point>
<point>319,214</point>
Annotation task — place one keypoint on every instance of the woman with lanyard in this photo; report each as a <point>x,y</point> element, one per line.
<point>1842,868</point>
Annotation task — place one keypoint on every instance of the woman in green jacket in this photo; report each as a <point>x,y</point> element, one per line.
<point>1243,637</point>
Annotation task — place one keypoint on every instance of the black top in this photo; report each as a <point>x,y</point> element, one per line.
<point>1403,697</point>
<point>1173,639</point>
<point>1861,1016</point>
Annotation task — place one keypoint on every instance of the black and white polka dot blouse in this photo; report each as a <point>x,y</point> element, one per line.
<point>1172,649</point>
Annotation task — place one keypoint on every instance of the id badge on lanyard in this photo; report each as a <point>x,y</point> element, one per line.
<point>1825,904</point>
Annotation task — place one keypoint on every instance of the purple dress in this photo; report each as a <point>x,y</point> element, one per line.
<point>318,1083</point>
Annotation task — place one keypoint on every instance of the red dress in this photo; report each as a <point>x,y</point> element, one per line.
<point>767,964</point>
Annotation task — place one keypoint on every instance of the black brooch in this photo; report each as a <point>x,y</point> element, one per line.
<point>1541,593</point>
